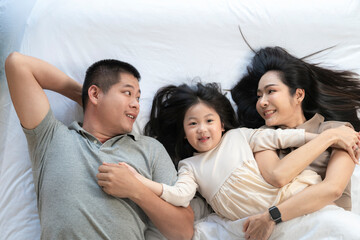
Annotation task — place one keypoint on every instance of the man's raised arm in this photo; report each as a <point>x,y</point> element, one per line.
<point>27,77</point>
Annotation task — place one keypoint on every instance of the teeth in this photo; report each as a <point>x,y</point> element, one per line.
<point>269,112</point>
<point>130,116</point>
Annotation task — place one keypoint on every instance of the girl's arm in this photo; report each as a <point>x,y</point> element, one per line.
<point>178,195</point>
<point>155,187</point>
<point>280,172</point>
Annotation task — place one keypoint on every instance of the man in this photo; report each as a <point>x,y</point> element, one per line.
<point>65,160</point>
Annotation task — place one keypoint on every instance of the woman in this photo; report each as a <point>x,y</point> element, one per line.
<point>282,91</point>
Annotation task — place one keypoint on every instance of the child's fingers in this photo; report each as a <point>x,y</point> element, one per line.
<point>109,164</point>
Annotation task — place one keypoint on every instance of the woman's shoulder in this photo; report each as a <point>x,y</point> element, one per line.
<point>333,124</point>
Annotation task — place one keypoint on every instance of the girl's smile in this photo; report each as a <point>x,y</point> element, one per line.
<point>203,127</point>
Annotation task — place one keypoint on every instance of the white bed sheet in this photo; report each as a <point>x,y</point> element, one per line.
<point>169,42</point>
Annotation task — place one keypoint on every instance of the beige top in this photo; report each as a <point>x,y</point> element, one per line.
<point>228,176</point>
<point>317,125</point>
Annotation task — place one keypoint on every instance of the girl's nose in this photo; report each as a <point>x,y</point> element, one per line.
<point>200,128</point>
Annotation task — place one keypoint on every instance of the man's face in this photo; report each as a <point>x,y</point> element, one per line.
<point>119,107</point>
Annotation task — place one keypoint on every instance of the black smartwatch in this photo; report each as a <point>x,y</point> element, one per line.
<point>275,214</point>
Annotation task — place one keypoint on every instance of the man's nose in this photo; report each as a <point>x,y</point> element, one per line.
<point>135,104</point>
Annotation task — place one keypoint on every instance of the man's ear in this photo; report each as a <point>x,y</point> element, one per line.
<point>300,95</point>
<point>94,93</point>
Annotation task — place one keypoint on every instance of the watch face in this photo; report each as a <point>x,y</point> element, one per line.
<point>275,214</point>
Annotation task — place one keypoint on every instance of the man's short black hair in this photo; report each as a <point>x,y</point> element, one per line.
<point>104,74</point>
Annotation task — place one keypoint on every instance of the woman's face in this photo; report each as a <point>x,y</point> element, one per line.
<point>275,104</point>
<point>203,127</point>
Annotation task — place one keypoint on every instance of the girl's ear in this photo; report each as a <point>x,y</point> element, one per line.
<point>222,127</point>
<point>300,95</point>
<point>94,94</point>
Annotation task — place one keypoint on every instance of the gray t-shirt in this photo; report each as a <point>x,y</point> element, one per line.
<point>71,204</point>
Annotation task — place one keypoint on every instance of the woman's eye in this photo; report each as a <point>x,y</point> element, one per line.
<point>128,93</point>
<point>210,120</point>
<point>271,91</point>
<point>192,123</point>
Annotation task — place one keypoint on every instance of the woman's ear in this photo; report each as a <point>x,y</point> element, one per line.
<point>300,95</point>
<point>94,94</point>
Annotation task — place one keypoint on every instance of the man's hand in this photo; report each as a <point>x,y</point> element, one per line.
<point>258,227</point>
<point>117,180</point>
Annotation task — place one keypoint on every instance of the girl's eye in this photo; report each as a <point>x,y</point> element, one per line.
<point>258,96</point>
<point>138,99</point>
<point>271,91</point>
<point>128,93</point>
<point>192,123</point>
<point>210,120</point>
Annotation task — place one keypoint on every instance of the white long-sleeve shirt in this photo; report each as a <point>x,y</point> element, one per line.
<point>228,176</point>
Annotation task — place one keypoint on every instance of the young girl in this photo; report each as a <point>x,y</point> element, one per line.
<point>223,169</point>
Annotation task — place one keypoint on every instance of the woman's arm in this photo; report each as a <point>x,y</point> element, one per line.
<point>338,174</point>
<point>311,199</point>
<point>280,172</point>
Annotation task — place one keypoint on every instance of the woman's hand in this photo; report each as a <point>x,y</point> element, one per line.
<point>346,138</point>
<point>258,226</point>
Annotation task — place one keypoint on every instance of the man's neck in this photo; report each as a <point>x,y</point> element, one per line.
<point>95,130</point>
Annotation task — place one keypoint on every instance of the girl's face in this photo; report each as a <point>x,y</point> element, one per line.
<point>275,104</point>
<point>203,127</point>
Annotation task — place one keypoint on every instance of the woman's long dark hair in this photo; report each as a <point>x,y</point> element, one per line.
<point>333,94</point>
<point>168,111</point>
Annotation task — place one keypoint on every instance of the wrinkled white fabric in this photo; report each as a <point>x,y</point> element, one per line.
<point>329,223</point>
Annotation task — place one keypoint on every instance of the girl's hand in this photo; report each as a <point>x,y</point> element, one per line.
<point>349,140</point>
<point>132,170</point>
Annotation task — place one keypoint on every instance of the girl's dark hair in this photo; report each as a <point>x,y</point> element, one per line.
<point>168,111</point>
<point>331,93</point>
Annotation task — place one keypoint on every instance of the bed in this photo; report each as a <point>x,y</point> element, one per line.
<point>170,42</point>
